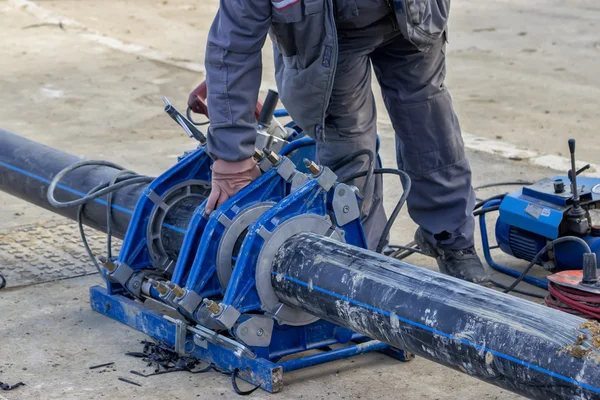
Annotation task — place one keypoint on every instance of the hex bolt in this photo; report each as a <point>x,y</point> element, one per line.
<point>259,332</point>
<point>312,167</point>
<point>177,291</point>
<point>109,265</point>
<point>160,287</point>
<point>258,155</point>
<point>271,156</point>
<point>346,209</point>
<point>212,306</point>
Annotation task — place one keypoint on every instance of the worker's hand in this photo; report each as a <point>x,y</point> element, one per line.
<point>228,178</point>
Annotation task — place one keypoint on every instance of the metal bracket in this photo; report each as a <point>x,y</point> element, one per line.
<point>286,169</point>
<point>345,205</point>
<point>181,329</point>
<point>204,334</point>
<point>327,178</point>
<point>256,331</point>
<point>298,180</point>
<point>228,316</point>
<point>121,274</point>
<point>190,301</point>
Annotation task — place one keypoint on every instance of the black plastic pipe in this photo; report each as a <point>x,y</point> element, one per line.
<point>27,167</point>
<point>501,339</point>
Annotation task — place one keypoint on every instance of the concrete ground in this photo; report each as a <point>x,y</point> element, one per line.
<point>524,73</point>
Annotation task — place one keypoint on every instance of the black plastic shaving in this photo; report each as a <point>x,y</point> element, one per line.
<point>164,360</point>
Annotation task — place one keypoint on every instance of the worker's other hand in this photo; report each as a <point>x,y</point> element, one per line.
<point>228,178</point>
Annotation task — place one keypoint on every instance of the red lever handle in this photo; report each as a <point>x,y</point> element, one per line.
<point>197,101</point>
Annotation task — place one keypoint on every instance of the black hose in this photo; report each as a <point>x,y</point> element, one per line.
<point>370,170</point>
<point>406,185</point>
<point>520,291</point>
<point>408,249</point>
<point>188,114</point>
<point>484,202</point>
<point>511,183</point>
<point>95,195</point>
<point>477,213</point>
<point>119,178</point>
<point>109,210</point>
<point>542,252</point>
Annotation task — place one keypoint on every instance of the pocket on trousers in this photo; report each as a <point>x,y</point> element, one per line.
<point>429,17</point>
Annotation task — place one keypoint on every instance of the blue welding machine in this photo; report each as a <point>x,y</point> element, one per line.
<point>534,215</point>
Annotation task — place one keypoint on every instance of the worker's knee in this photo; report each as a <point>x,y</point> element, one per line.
<point>428,135</point>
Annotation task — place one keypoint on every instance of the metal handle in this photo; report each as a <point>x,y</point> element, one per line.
<point>266,114</point>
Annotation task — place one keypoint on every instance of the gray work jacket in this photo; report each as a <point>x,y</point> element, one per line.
<point>305,49</point>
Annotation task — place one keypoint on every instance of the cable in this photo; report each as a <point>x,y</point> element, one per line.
<point>369,173</point>
<point>525,292</point>
<point>542,252</point>
<point>409,250</point>
<point>406,185</point>
<point>494,184</point>
<point>484,202</point>
<point>95,195</point>
<point>122,178</point>
<point>477,213</point>
<point>188,114</point>
<point>511,183</point>
<point>113,186</point>
<point>109,211</point>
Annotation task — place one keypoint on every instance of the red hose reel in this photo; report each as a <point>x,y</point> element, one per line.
<point>568,294</point>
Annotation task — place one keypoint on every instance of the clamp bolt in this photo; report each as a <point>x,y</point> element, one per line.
<point>271,156</point>
<point>160,287</point>
<point>212,306</point>
<point>259,332</point>
<point>312,167</point>
<point>109,265</point>
<point>177,291</point>
<point>258,155</point>
<point>346,209</point>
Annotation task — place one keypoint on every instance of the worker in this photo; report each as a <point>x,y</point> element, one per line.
<point>323,52</point>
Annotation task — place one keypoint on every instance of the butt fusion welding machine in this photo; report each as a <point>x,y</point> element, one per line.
<point>281,267</point>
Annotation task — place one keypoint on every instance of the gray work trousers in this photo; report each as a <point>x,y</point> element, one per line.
<point>429,145</point>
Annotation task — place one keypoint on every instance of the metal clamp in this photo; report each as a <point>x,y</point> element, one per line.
<point>189,302</point>
<point>202,334</point>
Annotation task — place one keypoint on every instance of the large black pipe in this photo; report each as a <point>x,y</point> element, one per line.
<point>504,340</point>
<point>27,168</point>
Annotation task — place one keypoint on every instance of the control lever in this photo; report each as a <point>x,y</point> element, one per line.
<point>578,218</point>
<point>573,177</point>
<point>268,109</point>
<point>185,123</point>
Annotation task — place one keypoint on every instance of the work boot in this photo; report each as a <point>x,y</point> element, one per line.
<point>463,264</point>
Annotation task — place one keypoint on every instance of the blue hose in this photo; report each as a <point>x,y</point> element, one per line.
<point>541,283</point>
<point>297,144</point>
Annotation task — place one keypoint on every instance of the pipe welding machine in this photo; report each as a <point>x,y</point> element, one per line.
<point>549,223</point>
<point>278,278</point>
